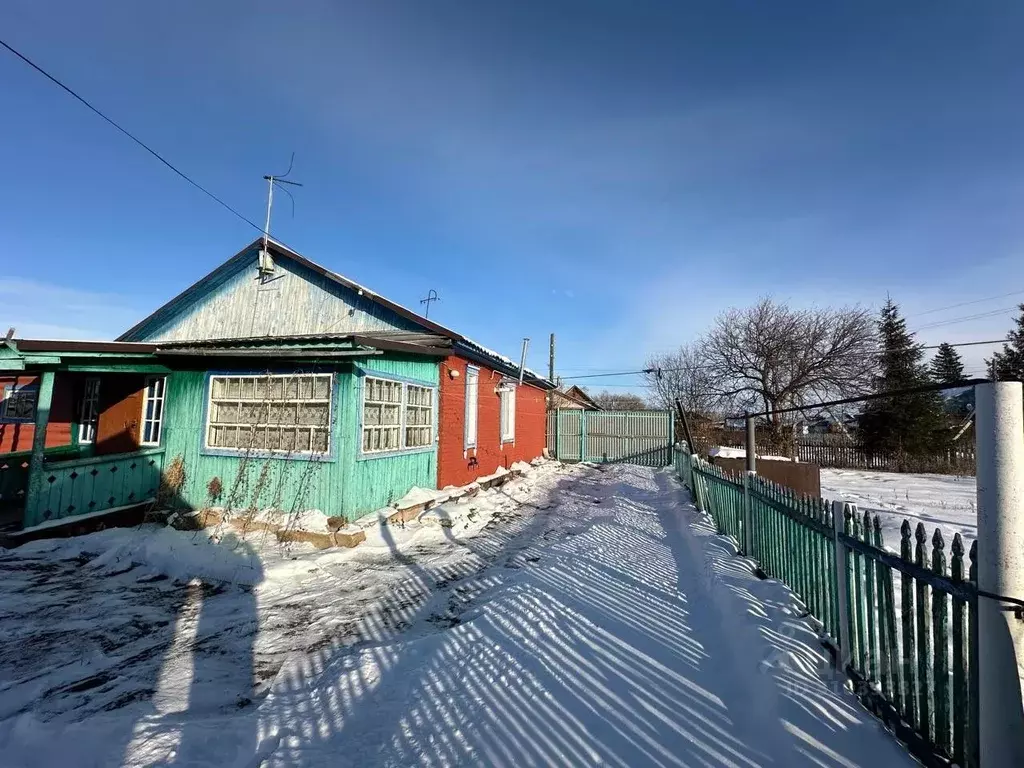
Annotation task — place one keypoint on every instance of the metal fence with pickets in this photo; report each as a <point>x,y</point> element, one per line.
<point>627,437</point>
<point>910,622</point>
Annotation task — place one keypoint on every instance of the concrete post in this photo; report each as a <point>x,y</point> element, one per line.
<point>1000,459</point>
<point>842,586</point>
<point>751,445</point>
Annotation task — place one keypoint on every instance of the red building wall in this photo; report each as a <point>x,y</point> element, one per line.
<point>17,436</point>
<point>456,465</point>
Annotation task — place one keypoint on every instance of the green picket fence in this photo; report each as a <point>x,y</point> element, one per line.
<point>911,621</point>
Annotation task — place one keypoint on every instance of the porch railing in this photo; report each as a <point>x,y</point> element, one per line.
<point>97,484</point>
<point>909,619</point>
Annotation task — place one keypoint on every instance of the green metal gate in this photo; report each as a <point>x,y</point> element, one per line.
<point>627,437</point>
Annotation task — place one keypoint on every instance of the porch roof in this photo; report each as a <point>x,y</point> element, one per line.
<point>117,356</point>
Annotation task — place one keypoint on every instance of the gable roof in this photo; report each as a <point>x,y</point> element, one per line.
<point>578,395</point>
<point>461,344</point>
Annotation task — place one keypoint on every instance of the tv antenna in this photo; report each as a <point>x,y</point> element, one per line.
<point>266,264</point>
<point>431,297</point>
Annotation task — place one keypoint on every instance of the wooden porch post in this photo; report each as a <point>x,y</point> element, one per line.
<point>36,481</point>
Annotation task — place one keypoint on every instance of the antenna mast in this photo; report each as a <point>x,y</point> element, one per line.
<point>266,263</point>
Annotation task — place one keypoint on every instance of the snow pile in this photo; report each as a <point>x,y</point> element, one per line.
<point>155,550</point>
<point>741,453</point>
<point>417,495</point>
<point>571,617</point>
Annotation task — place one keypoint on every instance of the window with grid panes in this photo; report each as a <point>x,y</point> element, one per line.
<point>382,415</point>
<point>419,416</point>
<point>276,413</point>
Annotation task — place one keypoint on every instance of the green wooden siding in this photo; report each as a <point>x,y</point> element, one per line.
<point>340,485</point>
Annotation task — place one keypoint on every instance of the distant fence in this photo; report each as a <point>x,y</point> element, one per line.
<point>628,437</point>
<point>836,451</point>
<point>849,456</point>
<point>905,624</point>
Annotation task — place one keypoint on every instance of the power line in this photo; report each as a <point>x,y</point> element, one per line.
<point>131,136</point>
<point>968,343</point>
<point>707,367</point>
<point>955,320</point>
<point>864,398</point>
<point>966,303</point>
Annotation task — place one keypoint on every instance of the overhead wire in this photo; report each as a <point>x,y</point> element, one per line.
<point>74,94</point>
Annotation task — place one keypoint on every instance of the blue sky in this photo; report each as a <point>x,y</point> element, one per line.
<point>616,172</point>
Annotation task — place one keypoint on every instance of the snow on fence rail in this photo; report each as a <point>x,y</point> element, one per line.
<point>911,623</point>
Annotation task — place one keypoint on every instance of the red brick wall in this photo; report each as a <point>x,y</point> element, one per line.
<point>456,465</point>
<point>18,436</point>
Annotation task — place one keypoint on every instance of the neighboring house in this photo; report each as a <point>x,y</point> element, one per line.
<point>573,397</point>
<point>406,416</point>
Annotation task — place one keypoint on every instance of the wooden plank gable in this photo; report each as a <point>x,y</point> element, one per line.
<point>235,302</point>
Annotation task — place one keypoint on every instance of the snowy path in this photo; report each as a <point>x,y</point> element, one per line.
<point>594,618</point>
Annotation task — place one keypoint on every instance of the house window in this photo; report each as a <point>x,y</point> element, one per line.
<point>396,416</point>
<point>88,415</point>
<point>507,394</point>
<point>419,416</point>
<point>153,410</point>
<point>472,399</point>
<point>276,413</point>
<point>19,403</point>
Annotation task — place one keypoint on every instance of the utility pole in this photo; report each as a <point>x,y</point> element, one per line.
<point>1000,455</point>
<point>551,370</point>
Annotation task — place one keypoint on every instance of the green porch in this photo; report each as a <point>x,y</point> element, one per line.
<point>336,424</point>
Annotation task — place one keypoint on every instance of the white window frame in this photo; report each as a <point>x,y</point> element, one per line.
<point>156,389</point>
<point>89,411</point>
<point>472,407</point>
<point>295,453</point>
<point>507,421</point>
<point>404,409</point>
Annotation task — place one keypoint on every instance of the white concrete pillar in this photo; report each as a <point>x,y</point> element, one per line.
<point>999,410</point>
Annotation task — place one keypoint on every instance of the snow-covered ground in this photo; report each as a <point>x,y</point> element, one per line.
<point>576,616</point>
<point>947,502</point>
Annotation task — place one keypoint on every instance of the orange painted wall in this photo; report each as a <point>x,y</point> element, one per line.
<point>456,465</point>
<point>18,436</point>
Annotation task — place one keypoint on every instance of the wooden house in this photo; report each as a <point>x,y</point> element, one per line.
<point>573,397</point>
<point>291,423</point>
<point>404,419</point>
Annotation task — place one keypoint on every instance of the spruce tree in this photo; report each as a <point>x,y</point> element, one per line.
<point>911,425</point>
<point>947,367</point>
<point>1008,365</point>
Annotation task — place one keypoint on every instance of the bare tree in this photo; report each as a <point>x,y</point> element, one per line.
<point>619,401</point>
<point>770,357</point>
<point>682,375</point>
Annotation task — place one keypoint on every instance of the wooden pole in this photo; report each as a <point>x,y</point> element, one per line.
<point>36,485</point>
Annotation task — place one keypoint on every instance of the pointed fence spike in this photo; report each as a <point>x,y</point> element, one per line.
<point>920,534</point>
<point>937,540</point>
<point>957,548</point>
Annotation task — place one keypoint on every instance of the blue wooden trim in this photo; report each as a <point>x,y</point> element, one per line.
<point>361,455</point>
<point>11,389</point>
<point>330,456</point>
